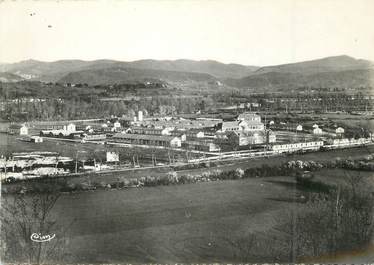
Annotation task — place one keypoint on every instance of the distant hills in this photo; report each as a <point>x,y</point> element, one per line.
<point>53,71</point>
<point>278,81</point>
<point>329,64</point>
<point>337,71</point>
<point>9,77</point>
<point>123,75</point>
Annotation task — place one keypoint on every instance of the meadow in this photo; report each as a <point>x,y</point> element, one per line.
<point>186,223</point>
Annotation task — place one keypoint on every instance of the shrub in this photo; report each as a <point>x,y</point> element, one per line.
<point>150,181</point>
<point>185,179</point>
<point>239,173</point>
<point>172,177</point>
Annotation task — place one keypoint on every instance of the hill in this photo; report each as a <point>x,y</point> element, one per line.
<point>123,75</point>
<point>45,71</point>
<point>329,64</point>
<point>211,67</point>
<point>9,77</point>
<point>341,71</point>
<point>53,71</point>
<point>287,81</point>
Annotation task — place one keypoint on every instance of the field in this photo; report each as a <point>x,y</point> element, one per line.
<point>9,144</point>
<point>185,223</point>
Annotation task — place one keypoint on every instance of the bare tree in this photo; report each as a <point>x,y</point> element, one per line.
<point>25,216</point>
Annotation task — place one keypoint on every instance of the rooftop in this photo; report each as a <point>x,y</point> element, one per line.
<point>143,137</point>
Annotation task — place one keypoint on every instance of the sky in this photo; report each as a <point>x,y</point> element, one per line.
<point>251,32</point>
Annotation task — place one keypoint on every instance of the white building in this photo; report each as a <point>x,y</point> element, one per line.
<point>36,139</point>
<point>17,129</point>
<point>247,116</point>
<point>339,130</point>
<point>299,128</point>
<point>117,125</point>
<point>71,127</point>
<point>23,130</point>
<point>112,156</point>
<point>140,115</point>
<point>317,131</point>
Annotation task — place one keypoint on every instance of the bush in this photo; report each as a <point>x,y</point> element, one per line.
<point>172,177</point>
<point>239,173</point>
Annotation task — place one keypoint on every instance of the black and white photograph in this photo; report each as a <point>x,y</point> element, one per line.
<point>187,132</point>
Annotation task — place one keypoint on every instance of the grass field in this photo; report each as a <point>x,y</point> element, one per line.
<point>185,223</point>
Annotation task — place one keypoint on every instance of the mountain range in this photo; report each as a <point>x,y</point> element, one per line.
<point>340,71</point>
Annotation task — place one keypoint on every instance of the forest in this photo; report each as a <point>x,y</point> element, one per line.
<point>34,100</point>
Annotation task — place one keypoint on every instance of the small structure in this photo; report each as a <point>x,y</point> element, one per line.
<point>117,125</point>
<point>140,115</point>
<point>150,130</point>
<point>207,145</point>
<point>299,128</point>
<point>17,129</point>
<point>71,128</point>
<point>292,147</point>
<point>339,130</point>
<point>146,139</point>
<point>248,116</point>
<point>36,139</point>
<point>317,131</point>
<point>112,157</point>
<point>93,137</point>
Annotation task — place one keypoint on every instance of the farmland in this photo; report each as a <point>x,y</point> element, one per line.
<point>188,223</point>
<point>198,222</point>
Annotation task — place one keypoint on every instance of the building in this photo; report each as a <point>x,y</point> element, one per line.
<point>93,137</point>
<point>233,140</point>
<point>66,131</point>
<point>207,145</point>
<point>112,157</point>
<point>292,147</point>
<point>243,138</point>
<point>339,130</point>
<point>150,130</point>
<point>70,128</point>
<point>250,122</point>
<point>116,125</point>
<point>251,125</point>
<point>145,139</point>
<point>248,116</point>
<point>36,139</point>
<point>317,131</point>
<point>180,134</point>
<point>299,128</point>
<point>228,126</point>
<point>31,139</point>
<point>140,115</point>
<point>17,129</point>
<point>271,137</point>
<point>192,134</point>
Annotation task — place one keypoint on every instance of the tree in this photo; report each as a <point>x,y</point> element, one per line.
<point>24,215</point>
